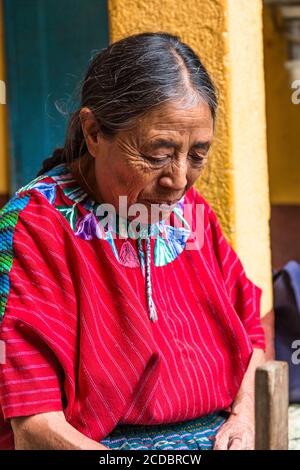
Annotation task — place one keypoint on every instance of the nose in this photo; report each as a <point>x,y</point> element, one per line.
<point>176,179</point>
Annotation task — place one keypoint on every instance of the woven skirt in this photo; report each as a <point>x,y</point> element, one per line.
<point>195,434</point>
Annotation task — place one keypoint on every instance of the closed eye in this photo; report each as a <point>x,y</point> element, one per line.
<point>159,160</point>
<point>156,160</point>
<point>198,159</point>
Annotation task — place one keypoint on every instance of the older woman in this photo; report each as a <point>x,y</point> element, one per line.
<point>135,330</point>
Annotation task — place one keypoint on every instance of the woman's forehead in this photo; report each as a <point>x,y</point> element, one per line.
<point>175,122</point>
<point>171,117</point>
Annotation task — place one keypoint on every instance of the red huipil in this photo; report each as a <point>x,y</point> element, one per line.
<point>75,310</point>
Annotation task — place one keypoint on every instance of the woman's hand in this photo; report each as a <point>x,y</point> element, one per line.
<point>237,433</point>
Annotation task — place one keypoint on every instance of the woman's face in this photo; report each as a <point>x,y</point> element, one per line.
<point>157,161</point>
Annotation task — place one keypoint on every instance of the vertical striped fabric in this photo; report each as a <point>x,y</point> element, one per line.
<point>76,325</point>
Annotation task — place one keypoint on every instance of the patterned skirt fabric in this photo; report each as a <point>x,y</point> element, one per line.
<point>196,434</point>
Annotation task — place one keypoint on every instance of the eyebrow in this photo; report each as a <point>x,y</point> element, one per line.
<point>171,144</point>
<point>202,145</point>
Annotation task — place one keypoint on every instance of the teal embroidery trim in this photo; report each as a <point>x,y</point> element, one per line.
<point>70,214</point>
<point>8,220</point>
<point>30,184</point>
<point>170,245</point>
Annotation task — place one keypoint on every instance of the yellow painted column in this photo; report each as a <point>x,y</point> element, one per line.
<point>249,143</point>
<point>227,34</point>
<point>3,116</point>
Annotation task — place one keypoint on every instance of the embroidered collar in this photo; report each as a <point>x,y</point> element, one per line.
<point>169,242</point>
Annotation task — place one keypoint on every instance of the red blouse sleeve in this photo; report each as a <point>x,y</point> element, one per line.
<point>35,324</point>
<point>244,295</point>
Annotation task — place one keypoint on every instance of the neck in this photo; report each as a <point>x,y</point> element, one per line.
<point>83,170</point>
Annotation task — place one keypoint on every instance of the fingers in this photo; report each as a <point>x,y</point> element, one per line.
<point>235,434</point>
<point>226,441</point>
<point>236,444</point>
<point>241,442</point>
<point>221,442</point>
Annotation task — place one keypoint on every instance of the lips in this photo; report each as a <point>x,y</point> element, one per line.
<point>165,202</point>
<point>169,202</point>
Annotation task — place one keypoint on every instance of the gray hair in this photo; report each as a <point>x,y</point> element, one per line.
<point>128,79</point>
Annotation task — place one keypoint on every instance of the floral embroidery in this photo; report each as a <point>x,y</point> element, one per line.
<point>48,190</point>
<point>88,228</point>
<point>70,213</point>
<point>128,256</point>
<point>31,184</point>
<point>168,248</point>
<point>109,237</point>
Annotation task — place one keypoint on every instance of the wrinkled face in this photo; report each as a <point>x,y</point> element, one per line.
<point>157,161</point>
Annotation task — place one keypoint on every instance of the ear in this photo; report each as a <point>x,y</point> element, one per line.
<point>90,129</point>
